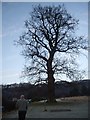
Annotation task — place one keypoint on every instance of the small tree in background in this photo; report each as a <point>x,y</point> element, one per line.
<point>50,46</point>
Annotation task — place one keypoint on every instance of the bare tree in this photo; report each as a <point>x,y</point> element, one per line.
<point>50,45</point>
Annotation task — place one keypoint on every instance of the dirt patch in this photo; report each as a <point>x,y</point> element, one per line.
<point>60,110</point>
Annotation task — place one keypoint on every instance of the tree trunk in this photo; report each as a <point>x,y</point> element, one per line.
<point>51,85</point>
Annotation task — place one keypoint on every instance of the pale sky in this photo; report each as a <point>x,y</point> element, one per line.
<point>44,0</point>
<point>13,17</point>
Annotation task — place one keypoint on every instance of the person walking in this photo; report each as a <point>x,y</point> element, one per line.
<point>22,106</point>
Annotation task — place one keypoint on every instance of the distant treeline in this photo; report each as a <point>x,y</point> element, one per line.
<point>40,91</point>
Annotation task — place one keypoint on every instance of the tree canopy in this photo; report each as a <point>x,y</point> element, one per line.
<point>50,45</point>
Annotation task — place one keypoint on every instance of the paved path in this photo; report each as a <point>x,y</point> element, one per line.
<point>78,110</point>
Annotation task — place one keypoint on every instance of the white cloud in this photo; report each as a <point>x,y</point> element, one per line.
<point>9,77</point>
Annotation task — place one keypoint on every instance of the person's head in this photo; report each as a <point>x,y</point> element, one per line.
<point>22,97</point>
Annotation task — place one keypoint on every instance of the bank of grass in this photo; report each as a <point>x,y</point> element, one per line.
<point>63,101</point>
